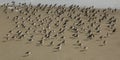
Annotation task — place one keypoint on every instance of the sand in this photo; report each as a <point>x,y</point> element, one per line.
<point>15,48</point>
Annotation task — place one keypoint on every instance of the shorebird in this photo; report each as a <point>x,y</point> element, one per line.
<point>51,43</point>
<point>75,35</point>
<point>10,31</point>
<point>89,31</point>
<point>101,37</point>
<point>63,42</point>
<point>41,42</point>
<point>85,48</point>
<point>114,20</point>
<point>55,35</point>
<point>30,40</point>
<point>58,48</point>
<point>80,44</point>
<point>104,42</point>
<point>17,26</point>
<point>60,44</point>
<point>13,37</point>
<point>62,38</point>
<point>27,53</point>
<point>77,42</point>
<point>114,30</point>
<point>23,26</point>
<point>90,36</point>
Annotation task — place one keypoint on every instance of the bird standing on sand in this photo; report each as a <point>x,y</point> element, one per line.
<point>85,48</point>
<point>29,40</point>
<point>80,44</point>
<point>63,42</point>
<point>41,42</point>
<point>58,48</point>
<point>51,43</point>
<point>27,53</point>
<point>104,42</point>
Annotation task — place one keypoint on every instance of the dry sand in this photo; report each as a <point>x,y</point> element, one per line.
<point>14,49</point>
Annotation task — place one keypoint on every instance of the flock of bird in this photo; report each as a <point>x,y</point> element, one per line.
<point>52,25</point>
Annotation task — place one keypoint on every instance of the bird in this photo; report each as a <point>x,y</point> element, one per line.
<point>85,48</point>
<point>80,44</point>
<point>41,42</point>
<point>10,31</point>
<point>63,42</point>
<point>51,43</point>
<point>60,44</point>
<point>29,40</point>
<point>27,53</point>
<point>58,48</point>
<point>77,42</point>
<point>104,42</point>
<point>114,30</point>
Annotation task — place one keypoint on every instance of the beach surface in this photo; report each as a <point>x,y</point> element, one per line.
<point>15,48</point>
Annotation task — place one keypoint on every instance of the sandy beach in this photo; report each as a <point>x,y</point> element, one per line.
<point>50,32</point>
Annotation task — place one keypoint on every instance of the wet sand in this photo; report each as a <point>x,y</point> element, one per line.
<point>92,48</point>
